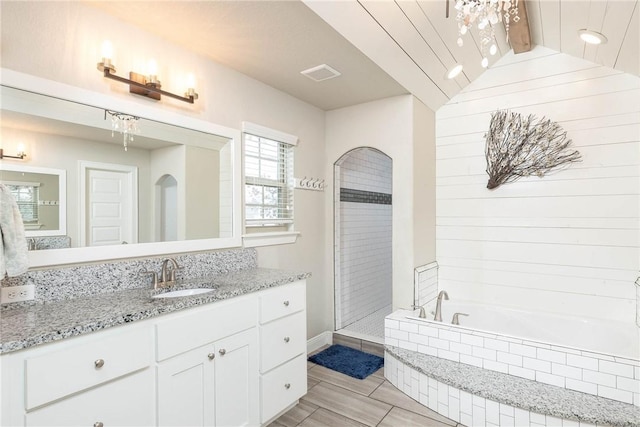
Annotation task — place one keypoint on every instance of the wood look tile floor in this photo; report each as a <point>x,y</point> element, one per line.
<point>335,399</point>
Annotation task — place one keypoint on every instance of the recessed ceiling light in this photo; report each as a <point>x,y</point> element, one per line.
<point>453,72</point>
<point>592,37</point>
<point>321,72</point>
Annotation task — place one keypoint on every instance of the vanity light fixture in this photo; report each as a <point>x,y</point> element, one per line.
<point>592,37</point>
<point>139,84</point>
<point>20,155</point>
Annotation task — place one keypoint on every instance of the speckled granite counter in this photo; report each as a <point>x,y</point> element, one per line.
<point>32,325</point>
<point>520,392</point>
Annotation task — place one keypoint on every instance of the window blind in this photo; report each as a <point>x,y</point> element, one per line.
<point>26,196</point>
<point>268,181</point>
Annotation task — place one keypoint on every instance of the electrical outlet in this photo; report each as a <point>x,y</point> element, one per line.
<point>11,294</point>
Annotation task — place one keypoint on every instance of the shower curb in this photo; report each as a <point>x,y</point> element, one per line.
<point>504,389</point>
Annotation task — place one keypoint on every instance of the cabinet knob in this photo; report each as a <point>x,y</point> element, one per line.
<point>211,356</point>
<point>99,364</point>
<point>286,339</point>
<point>286,303</point>
<point>98,424</point>
<point>222,352</point>
<point>287,386</point>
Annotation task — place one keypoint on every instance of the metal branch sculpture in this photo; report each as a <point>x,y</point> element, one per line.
<point>518,146</point>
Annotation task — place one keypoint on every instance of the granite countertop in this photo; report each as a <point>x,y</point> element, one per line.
<point>522,393</point>
<point>36,324</point>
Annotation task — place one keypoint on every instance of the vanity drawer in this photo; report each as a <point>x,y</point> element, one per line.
<point>186,332</point>
<point>282,301</point>
<point>283,386</point>
<point>282,340</point>
<point>73,368</point>
<point>128,401</point>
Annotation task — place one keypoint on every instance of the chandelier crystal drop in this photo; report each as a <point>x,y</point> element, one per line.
<point>126,124</point>
<point>484,14</point>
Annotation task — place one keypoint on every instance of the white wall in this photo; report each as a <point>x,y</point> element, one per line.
<point>61,41</point>
<point>391,126</point>
<point>567,242</point>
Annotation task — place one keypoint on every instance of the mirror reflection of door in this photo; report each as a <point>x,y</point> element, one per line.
<point>109,208</point>
<point>168,208</point>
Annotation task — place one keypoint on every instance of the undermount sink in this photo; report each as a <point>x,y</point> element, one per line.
<point>183,293</point>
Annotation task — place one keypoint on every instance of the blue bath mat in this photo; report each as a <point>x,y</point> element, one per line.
<point>349,361</point>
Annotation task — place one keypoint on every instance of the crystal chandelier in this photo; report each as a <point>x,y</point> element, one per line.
<point>485,14</point>
<point>126,124</point>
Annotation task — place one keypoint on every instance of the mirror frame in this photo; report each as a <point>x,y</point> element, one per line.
<point>62,196</point>
<point>70,93</point>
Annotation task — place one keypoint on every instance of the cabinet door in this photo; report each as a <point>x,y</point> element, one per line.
<point>185,389</point>
<point>237,380</point>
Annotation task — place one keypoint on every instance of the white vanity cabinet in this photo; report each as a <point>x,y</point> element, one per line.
<point>237,362</point>
<point>283,340</point>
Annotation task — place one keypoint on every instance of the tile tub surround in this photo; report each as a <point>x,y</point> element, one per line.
<point>37,324</point>
<point>475,396</point>
<point>602,375</point>
<point>425,284</point>
<point>63,283</point>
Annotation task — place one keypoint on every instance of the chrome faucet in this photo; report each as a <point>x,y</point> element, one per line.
<point>167,275</point>
<point>422,314</point>
<point>438,316</point>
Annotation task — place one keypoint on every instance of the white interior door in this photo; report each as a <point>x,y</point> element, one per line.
<point>109,214</point>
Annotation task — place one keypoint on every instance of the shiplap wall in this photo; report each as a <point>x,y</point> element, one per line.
<point>567,242</point>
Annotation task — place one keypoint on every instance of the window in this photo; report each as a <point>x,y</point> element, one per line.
<point>26,195</point>
<point>268,169</point>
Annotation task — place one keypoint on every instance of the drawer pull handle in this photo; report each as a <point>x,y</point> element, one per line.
<point>286,303</point>
<point>211,356</point>
<point>286,339</point>
<point>99,364</point>
<point>222,352</point>
<point>98,424</point>
<point>287,386</point>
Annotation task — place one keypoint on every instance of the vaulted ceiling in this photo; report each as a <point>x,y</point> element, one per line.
<point>382,48</point>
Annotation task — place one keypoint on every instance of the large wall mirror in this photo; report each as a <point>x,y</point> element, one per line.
<point>160,187</point>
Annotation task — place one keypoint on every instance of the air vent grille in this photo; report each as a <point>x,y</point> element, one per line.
<point>320,73</point>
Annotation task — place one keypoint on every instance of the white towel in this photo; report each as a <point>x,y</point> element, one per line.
<point>14,259</point>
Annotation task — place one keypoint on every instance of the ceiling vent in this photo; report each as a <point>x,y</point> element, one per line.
<point>320,73</point>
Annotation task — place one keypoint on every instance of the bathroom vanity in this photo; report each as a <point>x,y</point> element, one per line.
<point>233,357</point>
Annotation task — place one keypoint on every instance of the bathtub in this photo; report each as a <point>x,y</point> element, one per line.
<point>592,356</point>
<point>588,334</point>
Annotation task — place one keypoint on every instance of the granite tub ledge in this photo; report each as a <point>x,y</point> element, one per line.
<point>521,393</point>
<point>36,324</point>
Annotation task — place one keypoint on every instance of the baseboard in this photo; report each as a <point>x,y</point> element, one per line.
<point>325,338</point>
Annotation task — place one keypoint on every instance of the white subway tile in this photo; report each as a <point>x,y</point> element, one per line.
<point>442,408</point>
<point>391,324</point>
<point>582,362</point>
<point>454,409</point>
<point>419,339</point>
<point>615,394</point>
<point>511,359</point>
<point>472,340</point>
<point>537,418</point>
<point>409,327</point>
<point>438,343</point>
<point>449,355</point>
<point>443,393</point>
<point>522,350</point>
<point>536,365</point>
<point>427,350</point>
<point>636,399</point>
<point>521,417</point>
<point>495,366</point>
<point>570,423</point>
<point>552,356</point>
<point>401,335</point>
<point>479,401</point>
<point>522,372</point>
<point>484,353</point>
<point>628,384</point>
<point>553,421</point>
<point>407,345</point>
<point>550,379</point>
<point>506,421</point>
<point>585,424</point>
<point>460,348</point>
<point>493,412</point>
<point>496,344</point>
<point>636,370</point>
<point>506,409</point>
<point>616,369</point>
<point>598,378</point>
<point>449,336</point>
<point>424,384</point>
<point>466,403</point>
<point>598,356</point>
<point>470,360</point>
<point>466,419</point>
<point>581,386</point>
<point>566,371</point>
<point>433,399</point>
<point>429,331</point>
<point>393,342</point>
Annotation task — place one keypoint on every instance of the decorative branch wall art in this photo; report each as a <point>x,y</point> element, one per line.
<point>518,146</point>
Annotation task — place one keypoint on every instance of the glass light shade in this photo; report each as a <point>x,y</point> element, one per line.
<point>592,37</point>
<point>107,50</point>
<point>152,67</point>
<point>453,72</point>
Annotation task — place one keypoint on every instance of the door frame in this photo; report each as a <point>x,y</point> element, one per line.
<point>132,178</point>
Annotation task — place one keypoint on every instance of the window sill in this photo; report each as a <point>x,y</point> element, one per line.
<point>268,239</point>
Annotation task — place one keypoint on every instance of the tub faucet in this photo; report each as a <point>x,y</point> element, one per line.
<point>438,316</point>
<point>422,314</point>
<point>456,318</point>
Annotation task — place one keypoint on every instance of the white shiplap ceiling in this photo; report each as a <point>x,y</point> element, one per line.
<point>381,47</point>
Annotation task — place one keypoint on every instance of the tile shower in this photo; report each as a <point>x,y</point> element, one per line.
<point>362,243</point>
